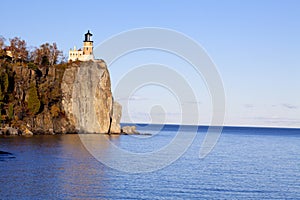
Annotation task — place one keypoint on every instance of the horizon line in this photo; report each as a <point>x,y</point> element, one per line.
<point>207,125</point>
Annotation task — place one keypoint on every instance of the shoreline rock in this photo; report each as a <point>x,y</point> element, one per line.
<point>10,131</point>
<point>129,130</point>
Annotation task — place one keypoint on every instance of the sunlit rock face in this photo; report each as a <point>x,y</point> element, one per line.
<point>87,98</point>
<point>116,118</point>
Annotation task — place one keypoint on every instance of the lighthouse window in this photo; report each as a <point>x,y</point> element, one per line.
<point>87,48</point>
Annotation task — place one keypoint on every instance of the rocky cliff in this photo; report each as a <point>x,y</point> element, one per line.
<point>87,98</point>
<point>69,98</point>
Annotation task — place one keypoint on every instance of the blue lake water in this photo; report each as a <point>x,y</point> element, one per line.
<point>247,163</point>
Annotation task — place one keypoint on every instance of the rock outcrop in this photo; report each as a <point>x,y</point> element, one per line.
<point>116,118</point>
<point>66,98</point>
<point>87,98</point>
<point>127,130</point>
<point>31,100</point>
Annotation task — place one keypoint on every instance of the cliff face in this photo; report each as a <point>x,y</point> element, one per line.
<point>34,96</point>
<point>58,99</point>
<point>87,99</point>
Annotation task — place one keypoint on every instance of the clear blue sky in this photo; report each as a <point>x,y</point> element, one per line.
<point>255,45</point>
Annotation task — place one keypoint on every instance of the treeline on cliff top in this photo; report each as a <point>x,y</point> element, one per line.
<point>29,81</point>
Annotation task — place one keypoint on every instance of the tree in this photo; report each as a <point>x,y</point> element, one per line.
<point>2,45</point>
<point>46,54</point>
<point>2,53</point>
<point>45,49</point>
<point>4,84</point>
<point>10,111</point>
<point>33,101</point>
<point>5,81</point>
<point>36,56</point>
<point>2,40</point>
<point>63,58</point>
<point>54,54</point>
<point>18,49</point>
<point>1,97</point>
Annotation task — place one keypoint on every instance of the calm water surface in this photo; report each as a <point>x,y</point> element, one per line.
<point>247,163</point>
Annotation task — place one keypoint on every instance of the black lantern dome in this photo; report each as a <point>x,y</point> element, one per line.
<point>87,37</point>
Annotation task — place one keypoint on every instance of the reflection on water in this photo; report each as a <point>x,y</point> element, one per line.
<point>81,169</point>
<point>45,165</point>
<point>6,155</point>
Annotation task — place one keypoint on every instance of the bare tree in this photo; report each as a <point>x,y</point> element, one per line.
<point>18,49</point>
<point>2,52</point>
<point>63,59</point>
<point>54,54</point>
<point>36,56</point>
<point>46,54</point>
<point>2,40</point>
<point>2,45</point>
<point>23,53</point>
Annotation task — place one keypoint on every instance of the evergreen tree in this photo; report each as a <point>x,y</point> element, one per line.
<point>34,103</point>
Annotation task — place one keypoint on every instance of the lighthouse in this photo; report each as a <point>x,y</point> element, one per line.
<point>84,54</point>
<point>88,44</point>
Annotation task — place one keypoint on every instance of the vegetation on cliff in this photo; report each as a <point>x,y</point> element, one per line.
<point>33,102</point>
<point>30,84</point>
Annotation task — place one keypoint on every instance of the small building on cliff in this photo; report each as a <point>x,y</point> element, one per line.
<point>8,52</point>
<point>84,54</point>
